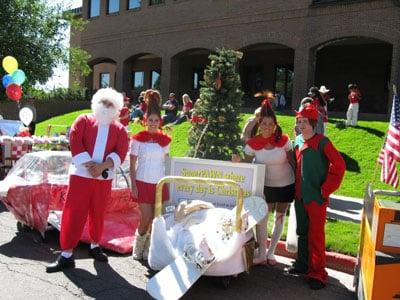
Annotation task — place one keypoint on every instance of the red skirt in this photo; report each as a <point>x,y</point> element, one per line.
<point>147,192</point>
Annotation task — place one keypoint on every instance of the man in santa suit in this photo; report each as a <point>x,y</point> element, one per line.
<point>99,144</point>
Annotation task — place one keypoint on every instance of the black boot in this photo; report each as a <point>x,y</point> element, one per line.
<point>60,264</point>
<point>315,284</point>
<point>98,254</point>
<point>294,271</point>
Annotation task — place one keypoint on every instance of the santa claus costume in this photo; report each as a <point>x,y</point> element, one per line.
<point>99,144</point>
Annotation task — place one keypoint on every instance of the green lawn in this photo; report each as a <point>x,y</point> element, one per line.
<point>359,146</point>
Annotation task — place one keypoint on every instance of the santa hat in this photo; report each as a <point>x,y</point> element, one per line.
<point>109,94</point>
<point>309,111</point>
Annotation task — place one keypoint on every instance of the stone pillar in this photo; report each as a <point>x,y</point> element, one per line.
<point>304,72</point>
<point>169,76</point>
<point>165,76</point>
<point>394,75</point>
<point>119,77</point>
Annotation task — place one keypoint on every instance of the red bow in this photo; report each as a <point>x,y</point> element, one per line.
<point>259,142</point>
<point>159,137</point>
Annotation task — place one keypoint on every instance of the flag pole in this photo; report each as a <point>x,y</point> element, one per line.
<point>384,140</point>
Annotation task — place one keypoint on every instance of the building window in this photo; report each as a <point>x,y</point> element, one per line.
<point>138,80</point>
<point>112,6</point>
<point>155,80</point>
<point>197,77</point>
<point>94,8</point>
<point>104,80</point>
<point>156,2</point>
<point>284,80</point>
<point>132,4</point>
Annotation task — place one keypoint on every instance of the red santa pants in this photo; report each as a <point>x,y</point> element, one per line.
<point>85,197</point>
<point>316,240</point>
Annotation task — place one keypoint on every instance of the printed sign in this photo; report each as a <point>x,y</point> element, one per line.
<point>249,176</point>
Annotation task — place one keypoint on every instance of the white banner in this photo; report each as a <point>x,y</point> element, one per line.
<point>249,176</point>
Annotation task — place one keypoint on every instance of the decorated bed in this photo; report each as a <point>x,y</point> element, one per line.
<point>34,192</point>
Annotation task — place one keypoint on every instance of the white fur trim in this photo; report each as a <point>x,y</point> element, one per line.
<point>109,94</point>
<point>115,158</point>
<point>81,158</point>
<point>100,144</point>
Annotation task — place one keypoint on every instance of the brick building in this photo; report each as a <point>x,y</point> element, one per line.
<point>288,46</point>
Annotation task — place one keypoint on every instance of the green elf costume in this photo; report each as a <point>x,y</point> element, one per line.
<point>319,172</point>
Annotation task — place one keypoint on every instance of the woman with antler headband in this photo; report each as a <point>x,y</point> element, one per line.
<point>149,151</point>
<point>273,149</point>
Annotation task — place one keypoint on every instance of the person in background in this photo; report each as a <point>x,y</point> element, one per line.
<point>280,100</point>
<point>326,99</point>
<point>99,144</point>
<point>251,127</point>
<point>354,99</point>
<point>171,109</point>
<point>186,110</point>
<point>319,171</point>
<point>139,109</point>
<point>274,150</point>
<point>319,103</point>
<point>149,152</point>
<point>124,113</point>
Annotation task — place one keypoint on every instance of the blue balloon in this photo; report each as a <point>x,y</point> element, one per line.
<point>18,76</point>
<point>7,79</point>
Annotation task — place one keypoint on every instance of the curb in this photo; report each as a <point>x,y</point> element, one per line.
<point>336,261</point>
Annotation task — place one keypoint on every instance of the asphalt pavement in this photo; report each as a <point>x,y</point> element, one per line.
<point>24,256</point>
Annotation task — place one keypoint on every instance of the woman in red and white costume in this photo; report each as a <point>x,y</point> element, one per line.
<point>99,144</point>
<point>149,151</point>
<point>273,149</point>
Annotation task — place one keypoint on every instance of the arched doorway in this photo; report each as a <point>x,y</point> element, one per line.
<point>361,60</point>
<point>187,71</point>
<point>141,72</point>
<point>266,66</point>
<point>103,74</point>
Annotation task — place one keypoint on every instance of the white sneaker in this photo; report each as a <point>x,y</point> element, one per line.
<point>138,246</point>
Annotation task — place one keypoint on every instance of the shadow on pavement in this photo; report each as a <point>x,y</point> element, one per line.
<point>271,283</point>
<point>107,284</point>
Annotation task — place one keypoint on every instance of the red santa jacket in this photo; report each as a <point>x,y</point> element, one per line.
<point>90,142</point>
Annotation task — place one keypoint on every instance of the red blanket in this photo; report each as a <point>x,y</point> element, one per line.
<point>30,204</point>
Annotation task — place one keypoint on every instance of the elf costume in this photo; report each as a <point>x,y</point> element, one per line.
<point>319,172</point>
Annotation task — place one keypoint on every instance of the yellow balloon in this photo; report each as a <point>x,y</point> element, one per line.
<point>10,64</point>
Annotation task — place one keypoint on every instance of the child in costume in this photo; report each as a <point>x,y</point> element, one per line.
<point>149,151</point>
<point>319,172</point>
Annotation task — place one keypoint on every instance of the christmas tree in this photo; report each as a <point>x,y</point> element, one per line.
<point>215,131</point>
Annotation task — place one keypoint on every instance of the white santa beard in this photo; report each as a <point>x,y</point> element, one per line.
<point>103,115</point>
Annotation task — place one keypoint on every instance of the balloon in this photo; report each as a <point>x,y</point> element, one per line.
<point>7,79</point>
<point>10,64</point>
<point>26,115</point>
<point>14,92</point>
<point>18,76</point>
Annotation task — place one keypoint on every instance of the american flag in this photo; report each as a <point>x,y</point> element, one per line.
<point>390,152</point>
